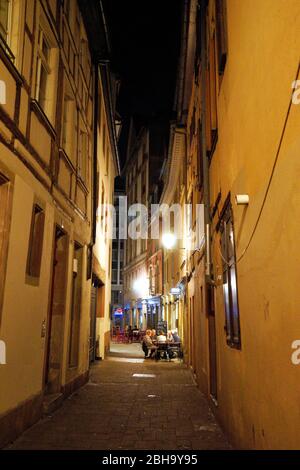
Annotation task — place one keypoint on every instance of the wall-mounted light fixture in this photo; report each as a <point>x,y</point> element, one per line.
<point>169,240</point>
<point>242,199</point>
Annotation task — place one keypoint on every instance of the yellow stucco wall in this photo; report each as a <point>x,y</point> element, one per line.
<point>258,387</point>
<point>25,306</point>
<point>27,160</point>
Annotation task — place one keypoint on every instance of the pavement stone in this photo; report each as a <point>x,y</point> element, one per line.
<point>117,410</point>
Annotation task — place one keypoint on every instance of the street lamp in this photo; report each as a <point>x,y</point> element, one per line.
<point>140,287</point>
<point>169,240</point>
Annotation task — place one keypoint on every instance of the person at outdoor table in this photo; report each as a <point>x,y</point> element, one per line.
<point>162,337</point>
<point>170,336</point>
<point>153,335</point>
<point>176,338</point>
<point>147,342</point>
<point>135,333</point>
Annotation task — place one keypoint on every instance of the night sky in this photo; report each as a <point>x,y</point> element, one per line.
<point>145,39</point>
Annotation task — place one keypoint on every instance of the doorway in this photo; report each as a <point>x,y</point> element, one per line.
<point>96,284</point>
<point>192,333</point>
<point>56,315</point>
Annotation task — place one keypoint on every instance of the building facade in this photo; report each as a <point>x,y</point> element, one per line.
<point>117,295</point>
<point>143,257</point>
<point>105,171</point>
<point>241,140</point>
<point>49,74</point>
<point>136,284</point>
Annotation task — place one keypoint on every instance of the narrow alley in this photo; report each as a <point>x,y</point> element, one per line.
<point>130,403</point>
<point>149,224</point>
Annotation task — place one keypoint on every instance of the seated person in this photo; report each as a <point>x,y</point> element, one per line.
<point>148,345</point>
<point>170,336</point>
<point>162,337</point>
<point>153,335</point>
<point>175,348</point>
<point>163,346</point>
<point>176,338</point>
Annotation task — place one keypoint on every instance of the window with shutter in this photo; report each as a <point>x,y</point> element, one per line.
<point>230,288</point>
<point>222,43</point>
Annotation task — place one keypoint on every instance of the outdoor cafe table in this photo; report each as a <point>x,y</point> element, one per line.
<point>165,347</point>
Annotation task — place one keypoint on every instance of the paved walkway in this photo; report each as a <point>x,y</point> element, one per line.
<point>160,408</point>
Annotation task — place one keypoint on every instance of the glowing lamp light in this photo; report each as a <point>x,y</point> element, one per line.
<point>140,286</point>
<point>169,240</point>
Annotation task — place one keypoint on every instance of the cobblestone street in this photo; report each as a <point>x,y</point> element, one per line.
<point>162,409</point>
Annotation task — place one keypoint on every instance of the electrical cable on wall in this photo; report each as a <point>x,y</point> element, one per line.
<point>269,182</point>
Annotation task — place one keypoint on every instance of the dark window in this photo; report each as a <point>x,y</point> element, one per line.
<point>115,264</point>
<point>4,19</point>
<point>230,289</point>
<point>200,155</point>
<point>221,20</point>
<point>211,97</point>
<point>36,242</point>
<point>114,279</point>
<point>115,297</point>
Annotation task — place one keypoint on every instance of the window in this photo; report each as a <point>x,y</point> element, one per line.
<point>70,127</point>
<point>67,7</point>
<point>102,208</point>
<point>114,279</point>
<point>83,156</point>
<point>5,19</point>
<point>115,297</point>
<point>43,69</point>
<point>221,24</point>
<point>10,29</point>
<point>36,242</point>
<point>211,97</point>
<point>230,290</point>
<point>84,55</point>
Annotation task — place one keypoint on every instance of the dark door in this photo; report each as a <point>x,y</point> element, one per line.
<point>93,324</point>
<point>212,342</point>
<point>56,312</point>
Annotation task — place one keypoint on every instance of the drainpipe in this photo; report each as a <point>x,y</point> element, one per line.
<point>206,188</point>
